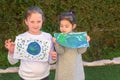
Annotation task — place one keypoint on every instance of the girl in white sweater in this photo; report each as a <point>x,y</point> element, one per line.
<point>33,70</point>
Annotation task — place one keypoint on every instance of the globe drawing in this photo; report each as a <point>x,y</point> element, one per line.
<point>72,40</point>
<point>33,48</point>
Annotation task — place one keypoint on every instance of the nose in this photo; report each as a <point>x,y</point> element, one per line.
<point>36,24</point>
<point>62,30</point>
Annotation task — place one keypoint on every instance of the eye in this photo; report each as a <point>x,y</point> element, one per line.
<point>61,26</point>
<point>39,21</point>
<point>66,26</point>
<point>31,21</point>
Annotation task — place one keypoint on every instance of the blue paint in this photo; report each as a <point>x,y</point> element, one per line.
<point>34,48</point>
<point>72,40</point>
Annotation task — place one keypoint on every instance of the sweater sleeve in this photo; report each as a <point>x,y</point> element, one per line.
<point>51,49</point>
<point>11,59</point>
<point>82,50</point>
<point>59,49</point>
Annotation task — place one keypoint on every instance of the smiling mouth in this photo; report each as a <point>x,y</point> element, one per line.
<point>35,28</point>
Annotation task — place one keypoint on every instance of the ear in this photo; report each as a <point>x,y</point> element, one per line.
<point>26,22</point>
<point>74,26</point>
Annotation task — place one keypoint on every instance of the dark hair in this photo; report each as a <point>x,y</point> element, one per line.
<point>34,9</point>
<point>68,16</point>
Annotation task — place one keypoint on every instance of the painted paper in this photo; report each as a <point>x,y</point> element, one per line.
<point>31,49</point>
<point>72,40</point>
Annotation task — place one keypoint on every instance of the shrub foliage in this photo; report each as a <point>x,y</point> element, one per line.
<point>100,18</point>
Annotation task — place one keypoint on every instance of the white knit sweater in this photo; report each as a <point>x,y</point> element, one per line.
<point>33,70</point>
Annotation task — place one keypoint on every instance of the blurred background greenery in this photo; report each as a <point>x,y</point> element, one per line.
<point>99,18</point>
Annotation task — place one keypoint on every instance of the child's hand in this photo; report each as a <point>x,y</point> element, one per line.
<point>9,45</point>
<point>54,41</point>
<point>88,38</point>
<point>54,55</point>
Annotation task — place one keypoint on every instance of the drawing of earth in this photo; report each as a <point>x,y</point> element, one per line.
<point>72,40</point>
<point>34,48</point>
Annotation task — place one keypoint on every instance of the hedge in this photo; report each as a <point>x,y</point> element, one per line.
<point>100,18</point>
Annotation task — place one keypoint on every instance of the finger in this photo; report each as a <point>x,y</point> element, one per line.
<point>53,54</point>
<point>88,38</point>
<point>9,40</point>
<point>54,39</point>
<point>6,46</point>
<point>6,41</point>
<point>12,43</point>
<point>54,58</point>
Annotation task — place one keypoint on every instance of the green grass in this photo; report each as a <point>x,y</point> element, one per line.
<point>9,76</point>
<point>107,72</point>
<point>15,76</point>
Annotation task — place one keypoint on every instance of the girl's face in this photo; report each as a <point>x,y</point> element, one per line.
<point>66,26</point>
<point>34,23</point>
